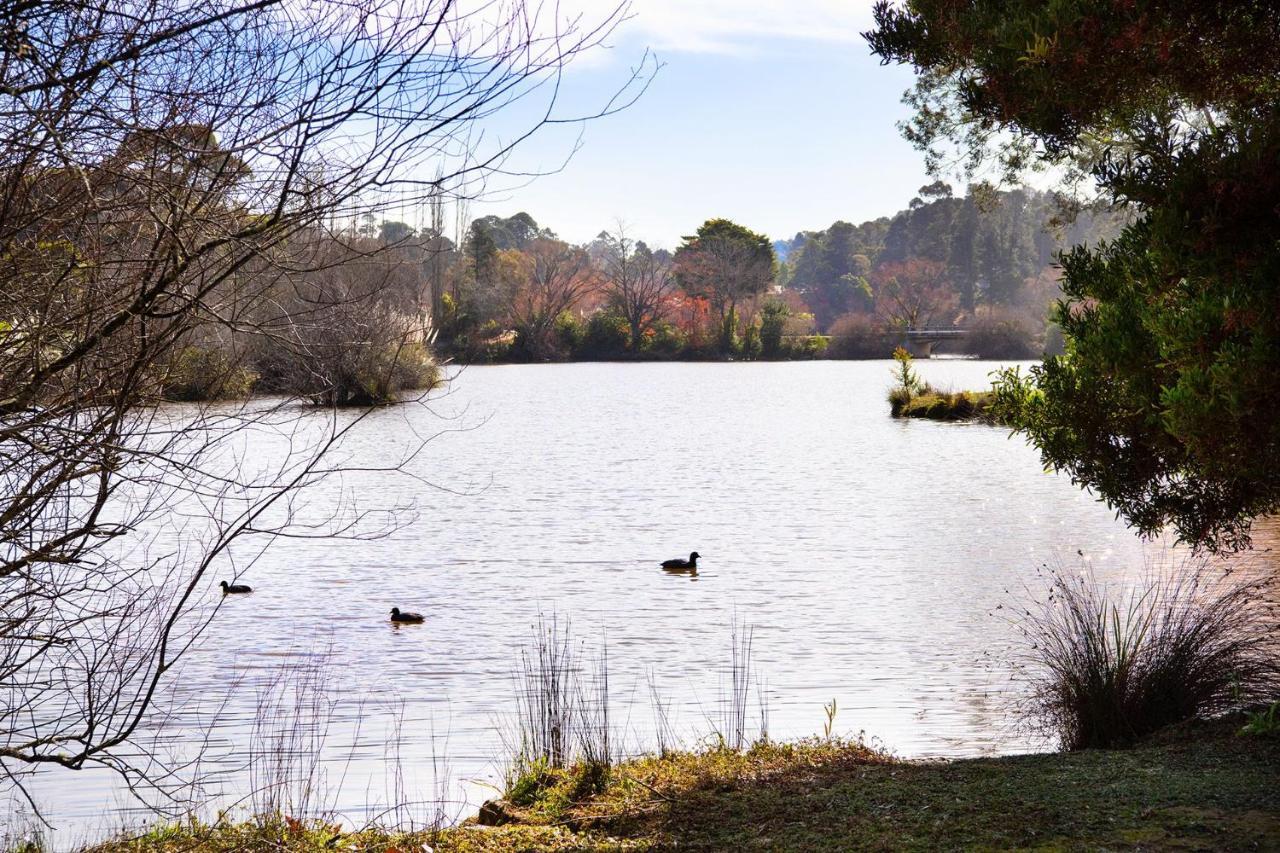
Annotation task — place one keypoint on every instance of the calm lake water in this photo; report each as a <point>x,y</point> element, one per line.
<point>867,554</point>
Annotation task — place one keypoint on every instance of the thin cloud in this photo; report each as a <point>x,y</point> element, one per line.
<point>742,26</point>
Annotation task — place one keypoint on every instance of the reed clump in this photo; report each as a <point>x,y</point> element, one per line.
<point>561,714</point>
<point>1108,667</point>
<point>956,406</point>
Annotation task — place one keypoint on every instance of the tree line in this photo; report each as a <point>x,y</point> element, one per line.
<point>509,289</point>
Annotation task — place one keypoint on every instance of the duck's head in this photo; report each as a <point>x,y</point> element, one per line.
<point>395,611</point>
<point>224,586</point>
<point>693,556</point>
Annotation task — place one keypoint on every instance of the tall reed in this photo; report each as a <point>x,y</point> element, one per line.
<point>562,714</point>
<point>664,732</point>
<point>545,695</point>
<point>734,707</point>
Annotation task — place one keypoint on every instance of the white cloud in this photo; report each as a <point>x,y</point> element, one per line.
<point>731,25</point>
<point>737,26</point>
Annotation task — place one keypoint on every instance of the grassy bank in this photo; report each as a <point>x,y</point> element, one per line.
<point>1198,787</point>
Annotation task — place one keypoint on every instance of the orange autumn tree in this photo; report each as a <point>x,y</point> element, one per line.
<point>540,283</point>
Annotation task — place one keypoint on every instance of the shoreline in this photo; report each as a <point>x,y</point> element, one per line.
<point>1198,785</point>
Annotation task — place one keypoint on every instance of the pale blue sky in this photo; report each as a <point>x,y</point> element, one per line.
<point>769,112</point>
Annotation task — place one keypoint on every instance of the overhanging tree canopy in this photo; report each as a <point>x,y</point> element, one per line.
<point>1167,403</point>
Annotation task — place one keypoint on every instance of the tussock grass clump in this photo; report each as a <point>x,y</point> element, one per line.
<point>1108,668</point>
<point>939,406</point>
<point>206,373</point>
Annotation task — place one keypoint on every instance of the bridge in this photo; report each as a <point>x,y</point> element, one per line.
<point>919,342</point>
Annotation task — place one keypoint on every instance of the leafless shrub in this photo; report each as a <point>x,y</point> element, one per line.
<point>861,336</point>
<point>1003,333</point>
<point>638,281</point>
<point>291,727</point>
<point>538,285</point>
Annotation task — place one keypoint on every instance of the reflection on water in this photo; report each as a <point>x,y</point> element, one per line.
<point>868,554</point>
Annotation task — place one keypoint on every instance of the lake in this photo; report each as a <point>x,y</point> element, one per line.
<point>867,555</point>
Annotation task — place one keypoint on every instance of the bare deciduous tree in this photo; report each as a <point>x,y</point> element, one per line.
<point>161,161</point>
<point>638,279</point>
<point>539,284</point>
<point>913,294</point>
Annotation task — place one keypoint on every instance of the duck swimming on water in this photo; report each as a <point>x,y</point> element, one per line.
<point>406,618</point>
<point>235,588</point>
<point>691,563</point>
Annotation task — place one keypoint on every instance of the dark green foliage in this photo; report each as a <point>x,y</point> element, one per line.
<point>667,339</point>
<point>514,232</point>
<point>391,231</point>
<point>1166,403</point>
<point>726,229</point>
<point>482,254</point>
<point>608,336</point>
<point>773,323</point>
<point>1263,723</point>
<point>535,778</point>
<point>1054,74</point>
<point>570,333</point>
<point>990,242</point>
<point>809,346</point>
<point>831,268</point>
<point>460,335</point>
<point>729,341</point>
<point>752,347</point>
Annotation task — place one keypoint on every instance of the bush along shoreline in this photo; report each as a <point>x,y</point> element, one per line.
<point>336,376</point>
